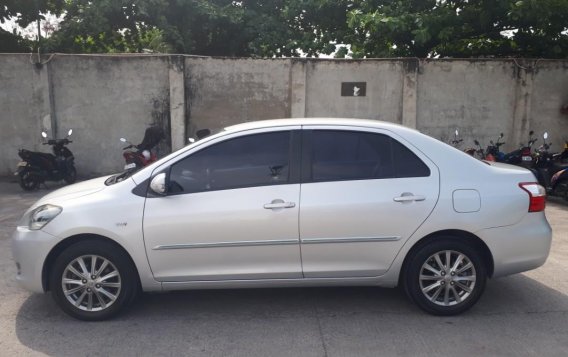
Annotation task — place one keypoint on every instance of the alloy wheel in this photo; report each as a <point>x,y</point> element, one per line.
<point>91,283</point>
<point>447,278</point>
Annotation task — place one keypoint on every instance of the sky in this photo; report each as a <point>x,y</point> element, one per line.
<point>31,31</point>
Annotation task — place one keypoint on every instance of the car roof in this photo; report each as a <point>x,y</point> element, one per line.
<point>315,121</point>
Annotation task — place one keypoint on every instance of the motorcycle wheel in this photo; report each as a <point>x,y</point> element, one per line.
<point>71,176</point>
<point>28,181</point>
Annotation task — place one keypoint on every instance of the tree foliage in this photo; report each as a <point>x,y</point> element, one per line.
<point>266,28</point>
<point>459,28</point>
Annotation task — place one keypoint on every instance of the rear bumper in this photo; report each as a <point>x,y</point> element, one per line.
<point>520,247</point>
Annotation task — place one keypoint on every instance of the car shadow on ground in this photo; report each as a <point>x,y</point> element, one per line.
<point>210,321</point>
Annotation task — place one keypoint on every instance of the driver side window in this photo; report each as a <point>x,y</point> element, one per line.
<point>253,160</point>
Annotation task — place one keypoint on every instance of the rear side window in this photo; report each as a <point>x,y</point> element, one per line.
<point>406,163</point>
<point>351,155</point>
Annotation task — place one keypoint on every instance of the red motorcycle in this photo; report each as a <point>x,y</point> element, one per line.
<point>141,155</point>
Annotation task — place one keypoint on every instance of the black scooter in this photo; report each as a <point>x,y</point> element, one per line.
<point>38,167</point>
<point>551,170</point>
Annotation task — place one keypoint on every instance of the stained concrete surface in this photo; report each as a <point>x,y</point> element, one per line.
<point>521,315</point>
<point>105,97</point>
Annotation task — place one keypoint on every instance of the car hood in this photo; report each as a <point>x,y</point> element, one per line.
<point>73,191</point>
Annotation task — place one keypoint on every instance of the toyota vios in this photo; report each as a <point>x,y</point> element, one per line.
<point>293,202</point>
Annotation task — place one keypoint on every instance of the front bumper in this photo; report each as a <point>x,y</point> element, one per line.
<point>30,249</point>
<point>520,247</point>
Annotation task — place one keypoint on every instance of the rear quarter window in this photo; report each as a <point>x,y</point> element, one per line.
<point>406,163</point>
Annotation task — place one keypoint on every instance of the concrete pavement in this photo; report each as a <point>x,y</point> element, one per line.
<point>521,315</point>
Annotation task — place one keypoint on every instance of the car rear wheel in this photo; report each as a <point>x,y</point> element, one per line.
<point>93,280</point>
<point>445,277</point>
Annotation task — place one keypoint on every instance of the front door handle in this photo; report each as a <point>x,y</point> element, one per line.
<point>408,197</point>
<point>276,204</point>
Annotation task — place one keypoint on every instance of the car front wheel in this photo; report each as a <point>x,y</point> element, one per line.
<point>445,277</point>
<point>93,280</point>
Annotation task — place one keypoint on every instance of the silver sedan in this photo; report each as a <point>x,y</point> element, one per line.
<point>294,202</point>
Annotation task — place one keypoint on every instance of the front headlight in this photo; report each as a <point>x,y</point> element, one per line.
<point>42,215</point>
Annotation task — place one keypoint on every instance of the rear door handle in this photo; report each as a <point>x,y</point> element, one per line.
<point>408,197</point>
<point>276,204</point>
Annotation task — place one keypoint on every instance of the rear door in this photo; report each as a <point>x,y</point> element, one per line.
<point>363,194</point>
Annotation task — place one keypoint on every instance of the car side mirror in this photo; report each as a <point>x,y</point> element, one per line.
<point>158,184</point>
<point>191,140</point>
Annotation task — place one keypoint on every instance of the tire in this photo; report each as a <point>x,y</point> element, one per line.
<point>449,291</point>
<point>71,176</point>
<point>85,298</point>
<point>27,181</point>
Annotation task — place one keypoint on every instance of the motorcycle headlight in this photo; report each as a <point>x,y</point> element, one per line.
<point>42,215</point>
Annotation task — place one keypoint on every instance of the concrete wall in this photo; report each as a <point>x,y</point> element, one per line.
<point>24,109</point>
<point>384,89</point>
<point>224,92</point>
<point>103,98</point>
<point>476,97</point>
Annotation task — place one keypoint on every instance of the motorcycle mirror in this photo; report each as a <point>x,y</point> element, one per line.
<point>123,140</point>
<point>531,133</point>
<point>545,136</point>
<point>191,140</point>
<point>457,133</point>
<point>501,135</point>
<point>476,142</point>
<point>70,132</point>
<point>491,142</point>
<point>44,134</point>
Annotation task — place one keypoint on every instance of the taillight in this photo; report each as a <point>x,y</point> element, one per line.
<point>537,195</point>
<point>526,151</point>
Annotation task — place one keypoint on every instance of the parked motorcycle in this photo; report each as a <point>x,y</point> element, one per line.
<point>38,167</point>
<point>523,155</point>
<point>520,157</point>
<point>493,151</point>
<point>456,141</point>
<point>138,156</point>
<point>551,171</point>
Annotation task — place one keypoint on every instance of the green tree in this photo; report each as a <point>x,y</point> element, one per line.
<point>458,28</point>
<point>260,28</point>
<point>266,28</point>
<point>24,12</point>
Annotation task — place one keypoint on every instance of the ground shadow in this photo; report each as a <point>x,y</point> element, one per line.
<point>240,322</point>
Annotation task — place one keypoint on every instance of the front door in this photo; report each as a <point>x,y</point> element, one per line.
<point>231,213</point>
